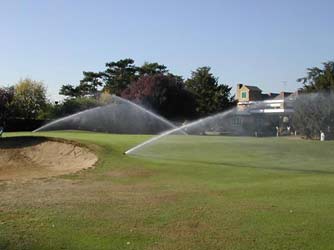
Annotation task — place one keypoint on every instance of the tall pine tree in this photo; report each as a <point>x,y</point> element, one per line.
<point>211,96</point>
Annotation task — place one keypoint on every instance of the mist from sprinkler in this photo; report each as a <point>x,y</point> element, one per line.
<point>118,116</point>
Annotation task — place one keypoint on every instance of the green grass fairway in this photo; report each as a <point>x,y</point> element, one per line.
<point>189,193</point>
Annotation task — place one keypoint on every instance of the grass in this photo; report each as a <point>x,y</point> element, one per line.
<point>190,193</point>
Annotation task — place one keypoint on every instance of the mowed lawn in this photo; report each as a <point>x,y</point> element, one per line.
<point>184,192</point>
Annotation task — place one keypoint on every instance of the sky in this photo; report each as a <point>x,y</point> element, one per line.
<point>267,43</point>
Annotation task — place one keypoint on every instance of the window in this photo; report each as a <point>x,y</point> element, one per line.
<point>243,94</point>
<point>236,121</point>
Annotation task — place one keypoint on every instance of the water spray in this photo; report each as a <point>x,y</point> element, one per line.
<point>119,116</point>
<point>181,129</point>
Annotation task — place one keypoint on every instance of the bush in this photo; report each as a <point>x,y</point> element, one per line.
<point>29,99</point>
<point>72,106</point>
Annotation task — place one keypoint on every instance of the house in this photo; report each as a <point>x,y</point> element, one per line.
<point>246,93</point>
<point>258,113</point>
<point>252,99</point>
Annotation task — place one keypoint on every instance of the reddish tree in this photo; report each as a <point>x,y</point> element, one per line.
<point>165,94</point>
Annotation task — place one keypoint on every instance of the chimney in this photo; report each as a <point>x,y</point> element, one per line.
<point>239,86</point>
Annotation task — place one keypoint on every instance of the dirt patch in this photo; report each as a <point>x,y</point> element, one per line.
<point>24,158</point>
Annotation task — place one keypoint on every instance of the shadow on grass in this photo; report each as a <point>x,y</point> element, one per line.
<point>21,141</point>
<point>230,164</point>
<point>309,171</point>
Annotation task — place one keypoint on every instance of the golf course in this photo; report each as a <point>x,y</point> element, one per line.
<point>181,192</point>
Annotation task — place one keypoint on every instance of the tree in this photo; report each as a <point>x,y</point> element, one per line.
<point>165,94</point>
<point>29,98</point>
<point>319,79</point>
<point>74,105</point>
<point>114,79</point>
<point>211,96</point>
<point>70,91</point>
<point>314,113</point>
<point>91,83</point>
<point>6,98</point>
<point>119,75</point>
<point>152,69</point>
<point>89,86</point>
<point>314,109</point>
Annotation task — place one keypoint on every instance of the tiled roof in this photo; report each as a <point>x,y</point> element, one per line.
<point>253,88</point>
<point>269,96</point>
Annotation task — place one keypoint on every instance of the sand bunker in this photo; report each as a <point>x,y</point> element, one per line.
<point>24,158</point>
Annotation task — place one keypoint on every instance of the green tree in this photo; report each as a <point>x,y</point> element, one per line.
<point>314,113</point>
<point>74,105</point>
<point>6,98</point>
<point>70,91</point>
<point>29,98</point>
<point>211,96</point>
<point>91,83</point>
<point>119,75</point>
<point>314,109</point>
<point>89,86</point>
<point>152,69</point>
<point>318,79</point>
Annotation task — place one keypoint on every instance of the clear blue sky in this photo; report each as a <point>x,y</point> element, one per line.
<point>258,42</point>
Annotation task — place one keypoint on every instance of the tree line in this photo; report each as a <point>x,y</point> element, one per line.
<point>155,87</point>
<point>151,85</point>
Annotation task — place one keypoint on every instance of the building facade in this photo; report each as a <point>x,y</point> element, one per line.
<point>261,114</point>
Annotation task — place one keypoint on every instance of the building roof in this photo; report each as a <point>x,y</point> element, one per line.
<point>283,95</point>
<point>253,88</point>
<point>269,96</point>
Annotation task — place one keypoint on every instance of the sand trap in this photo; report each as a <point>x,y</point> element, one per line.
<point>24,158</point>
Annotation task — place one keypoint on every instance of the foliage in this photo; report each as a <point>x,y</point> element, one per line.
<point>6,98</point>
<point>211,96</point>
<point>29,98</point>
<point>154,86</point>
<point>165,94</point>
<point>73,105</point>
<point>70,90</point>
<point>314,113</point>
<point>91,82</point>
<point>152,69</point>
<point>89,86</point>
<point>117,76</point>
<point>319,79</point>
